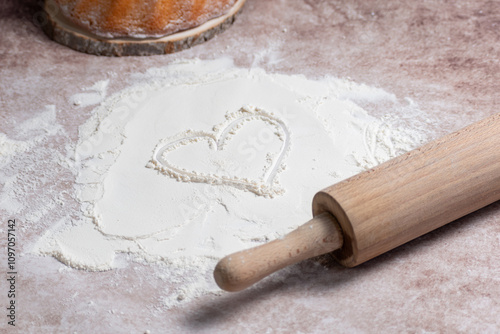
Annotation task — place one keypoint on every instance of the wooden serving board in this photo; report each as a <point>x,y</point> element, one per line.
<point>65,32</point>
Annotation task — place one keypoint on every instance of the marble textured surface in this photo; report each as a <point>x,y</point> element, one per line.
<point>443,55</point>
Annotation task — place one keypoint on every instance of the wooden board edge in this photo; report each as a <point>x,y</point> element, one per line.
<point>68,34</point>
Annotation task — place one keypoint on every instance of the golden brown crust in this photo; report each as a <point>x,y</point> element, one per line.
<point>141,18</point>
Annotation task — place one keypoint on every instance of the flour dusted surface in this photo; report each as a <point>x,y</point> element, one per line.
<point>201,159</point>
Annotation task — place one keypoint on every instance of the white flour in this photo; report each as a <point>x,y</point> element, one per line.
<point>258,154</point>
<point>20,166</point>
<point>201,159</point>
<point>93,95</point>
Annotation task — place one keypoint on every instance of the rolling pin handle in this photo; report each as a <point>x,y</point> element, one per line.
<point>318,236</point>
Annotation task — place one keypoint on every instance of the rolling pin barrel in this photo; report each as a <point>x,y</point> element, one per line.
<point>386,206</point>
<point>416,192</point>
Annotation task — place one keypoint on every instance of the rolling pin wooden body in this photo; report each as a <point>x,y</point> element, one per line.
<point>396,201</point>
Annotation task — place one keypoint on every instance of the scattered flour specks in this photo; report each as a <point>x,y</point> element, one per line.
<point>201,158</point>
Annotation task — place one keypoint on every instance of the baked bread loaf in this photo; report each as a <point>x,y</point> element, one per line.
<point>141,18</point>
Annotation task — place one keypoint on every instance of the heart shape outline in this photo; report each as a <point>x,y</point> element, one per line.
<point>268,187</point>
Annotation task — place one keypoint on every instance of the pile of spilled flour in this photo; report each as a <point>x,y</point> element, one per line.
<point>201,158</point>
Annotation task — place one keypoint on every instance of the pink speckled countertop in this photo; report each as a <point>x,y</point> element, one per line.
<point>443,55</point>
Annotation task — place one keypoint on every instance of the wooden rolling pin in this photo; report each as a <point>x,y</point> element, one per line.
<point>384,207</point>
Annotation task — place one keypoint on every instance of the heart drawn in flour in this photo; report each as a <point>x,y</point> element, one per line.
<point>246,151</point>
